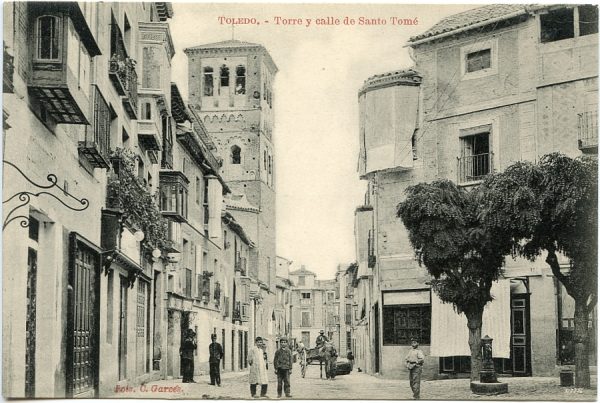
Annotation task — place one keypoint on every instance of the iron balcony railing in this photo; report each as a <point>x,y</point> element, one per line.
<point>121,70</point>
<point>118,194</point>
<point>474,168</point>
<point>587,130</point>
<point>95,146</point>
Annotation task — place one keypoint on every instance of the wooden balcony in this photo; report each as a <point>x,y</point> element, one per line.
<point>149,136</point>
<point>54,80</point>
<point>174,195</point>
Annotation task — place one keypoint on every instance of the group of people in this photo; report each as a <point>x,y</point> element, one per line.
<point>282,362</point>
<point>257,360</point>
<point>186,353</point>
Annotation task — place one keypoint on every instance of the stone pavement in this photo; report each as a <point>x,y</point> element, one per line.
<point>354,386</point>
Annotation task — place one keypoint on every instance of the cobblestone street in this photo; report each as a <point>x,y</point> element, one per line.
<point>356,386</point>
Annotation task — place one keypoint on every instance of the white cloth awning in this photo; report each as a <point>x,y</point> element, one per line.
<point>407,297</point>
<point>215,205</point>
<point>449,332</point>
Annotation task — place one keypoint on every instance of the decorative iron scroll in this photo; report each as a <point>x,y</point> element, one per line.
<point>25,197</point>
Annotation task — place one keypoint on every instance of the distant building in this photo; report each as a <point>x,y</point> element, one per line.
<point>314,308</point>
<point>283,307</point>
<point>490,86</point>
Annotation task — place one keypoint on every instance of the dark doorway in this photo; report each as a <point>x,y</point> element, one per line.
<point>123,327</point>
<point>224,345</point>
<point>233,350</point>
<point>241,349</point>
<point>245,349</point>
<point>376,313</point>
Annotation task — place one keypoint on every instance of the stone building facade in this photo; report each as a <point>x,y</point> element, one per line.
<point>99,149</point>
<point>490,86</point>
<point>70,99</point>
<point>231,90</point>
<point>314,307</point>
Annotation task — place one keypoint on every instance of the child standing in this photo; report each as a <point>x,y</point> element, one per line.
<point>283,367</point>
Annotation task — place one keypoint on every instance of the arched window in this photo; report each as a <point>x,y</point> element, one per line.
<point>240,80</point>
<point>48,37</point>
<point>270,165</point>
<point>236,155</point>
<point>224,76</point>
<point>265,160</point>
<point>208,81</point>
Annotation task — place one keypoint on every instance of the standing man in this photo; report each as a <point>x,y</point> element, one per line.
<point>283,367</point>
<point>258,369</point>
<point>414,363</point>
<point>215,353</point>
<point>186,352</point>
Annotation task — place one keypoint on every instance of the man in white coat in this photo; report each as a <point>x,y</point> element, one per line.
<point>258,369</point>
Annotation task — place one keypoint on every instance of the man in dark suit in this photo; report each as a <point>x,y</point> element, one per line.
<point>215,353</point>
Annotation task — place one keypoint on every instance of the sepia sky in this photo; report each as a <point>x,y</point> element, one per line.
<point>321,68</point>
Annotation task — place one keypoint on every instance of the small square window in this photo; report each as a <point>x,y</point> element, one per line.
<point>480,60</point>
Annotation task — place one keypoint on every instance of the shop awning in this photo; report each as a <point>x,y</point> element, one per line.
<point>449,333</point>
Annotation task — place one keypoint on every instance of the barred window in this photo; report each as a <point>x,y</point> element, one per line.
<point>141,309</point>
<point>403,322</point>
<point>208,81</point>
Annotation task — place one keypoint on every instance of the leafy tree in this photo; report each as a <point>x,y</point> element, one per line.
<point>462,254</point>
<point>552,207</point>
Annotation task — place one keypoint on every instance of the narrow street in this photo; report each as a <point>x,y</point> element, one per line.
<point>355,386</point>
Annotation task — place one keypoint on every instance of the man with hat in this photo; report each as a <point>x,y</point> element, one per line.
<point>321,339</point>
<point>215,353</point>
<point>283,367</point>
<point>186,352</point>
<point>414,362</point>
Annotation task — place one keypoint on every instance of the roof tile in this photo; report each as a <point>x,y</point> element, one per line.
<point>470,17</point>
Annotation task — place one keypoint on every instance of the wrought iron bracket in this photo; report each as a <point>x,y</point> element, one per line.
<point>24,198</point>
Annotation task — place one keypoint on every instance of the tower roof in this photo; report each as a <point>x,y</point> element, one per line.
<point>232,43</point>
<point>231,46</point>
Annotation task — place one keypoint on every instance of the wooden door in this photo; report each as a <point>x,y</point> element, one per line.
<point>82,348</point>
<point>30,328</point>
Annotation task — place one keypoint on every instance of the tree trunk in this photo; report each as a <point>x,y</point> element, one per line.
<point>474,321</point>
<point>581,339</point>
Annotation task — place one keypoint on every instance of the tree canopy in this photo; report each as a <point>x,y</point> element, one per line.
<point>449,239</point>
<point>462,255</point>
<point>552,207</point>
